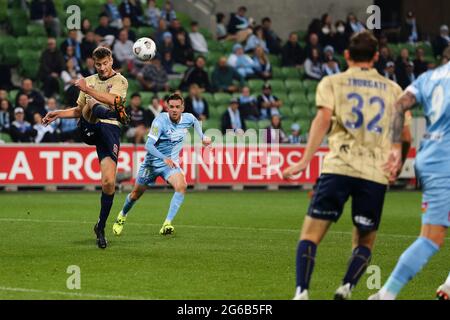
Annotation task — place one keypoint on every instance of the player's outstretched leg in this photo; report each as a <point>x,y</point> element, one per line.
<point>443,292</point>
<point>178,182</point>
<point>357,265</point>
<point>108,170</point>
<point>130,200</point>
<point>312,233</point>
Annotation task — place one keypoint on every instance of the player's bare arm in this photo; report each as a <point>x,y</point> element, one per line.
<point>319,129</point>
<point>405,103</point>
<point>67,113</point>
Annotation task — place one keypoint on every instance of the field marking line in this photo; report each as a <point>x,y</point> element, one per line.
<point>73,294</point>
<point>209,227</point>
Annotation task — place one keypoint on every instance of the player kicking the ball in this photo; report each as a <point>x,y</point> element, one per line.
<point>358,105</point>
<point>433,171</point>
<point>164,144</point>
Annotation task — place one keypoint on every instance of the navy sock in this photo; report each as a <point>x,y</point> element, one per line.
<point>357,265</point>
<point>306,254</point>
<point>106,204</point>
<point>103,112</point>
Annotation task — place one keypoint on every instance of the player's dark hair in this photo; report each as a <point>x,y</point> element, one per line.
<point>101,52</point>
<point>363,47</point>
<point>175,96</point>
<point>446,53</point>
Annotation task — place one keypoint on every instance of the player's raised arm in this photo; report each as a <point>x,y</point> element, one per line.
<point>319,129</point>
<point>103,97</point>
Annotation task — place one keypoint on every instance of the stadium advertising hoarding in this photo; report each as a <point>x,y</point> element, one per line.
<point>76,164</point>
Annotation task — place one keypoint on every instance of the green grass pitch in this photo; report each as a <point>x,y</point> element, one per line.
<point>227,245</point>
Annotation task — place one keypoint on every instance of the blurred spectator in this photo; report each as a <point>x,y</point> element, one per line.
<point>401,66</point>
<point>35,99</point>
<point>261,64</point>
<point>313,66</point>
<point>223,75</point>
<point>410,77</point>
<point>51,65</point>
<point>44,12</point>
<point>104,28</point>
<point>295,137</point>
<point>160,32</point>
<point>420,65</point>
<point>383,59</point>
<point>195,104</point>
<point>133,10</point>
<point>85,28</point>
<point>5,116</point>
<point>167,43</point>
<point>198,41</point>
<point>68,130</point>
<point>112,12</point>
<point>232,119</point>
<point>330,65</point>
<point>168,13</point>
<point>241,62</point>
<point>69,76</point>
<point>156,107</point>
<point>268,104</point>
<point>256,40</point>
<point>167,63</point>
<point>140,120</point>
<point>314,27</point>
<point>183,52</point>
<point>272,39</point>
<point>292,54</point>
<point>89,70</point>
<point>221,30</point>
<point>441,42</point>
<point>21,130</point>
<point>70,55</point>
<point>52,105</point>
<point>72,41</point>
<point>123,48</point>
<point>23,103</point>
<point>152,14</point>
<point>126,23</point>
<point>248,105</point>
<point>88,45</point>
<point>354,25</point>
<point>175,28</point>
<point>239,25</point>
<point>313,43</point>
<point>389,71</point>
<point>327,32</point>
<point>409,31</point>
<point>196,74</point>
<point>5,77</point>
<point>153,77</point>
<point>3,94</point>
<point>43,133</point>
<point>275,133</point>
<point>340,39</point>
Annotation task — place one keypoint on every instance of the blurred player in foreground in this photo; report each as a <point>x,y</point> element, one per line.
<point>163,146</point>
<point>100,107</point>
<point>358,105</point>
<point>432,90</point>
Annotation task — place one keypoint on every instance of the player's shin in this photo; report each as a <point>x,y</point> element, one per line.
<point>175,205</point>
<point>356,267</point>
<point>128,204</point>
<point>306,253</point>
<point>409,264</point>
<point>106,204</point>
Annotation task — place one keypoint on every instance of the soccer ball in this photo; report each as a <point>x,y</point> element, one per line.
<point>144,49</point>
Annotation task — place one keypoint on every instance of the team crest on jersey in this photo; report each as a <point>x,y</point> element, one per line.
<point>108,87</point>
<point>424,207</point>
<point>155,131</point>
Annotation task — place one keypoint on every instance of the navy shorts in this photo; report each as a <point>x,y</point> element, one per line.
<point>105,137</point>
<point>332,191</point>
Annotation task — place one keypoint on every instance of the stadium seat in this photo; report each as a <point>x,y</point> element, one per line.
<point>263,124</point>
<point>222,99</point>
<point>146,97</point>
<point>301,111</point>
<point>310,85</point>
<point>12,95</point>
<point>255,85</point>
<point>36,30</point>
<point>283,96</point>
<point>3,10</point>
<point>250,124</point>
<point>277,73</point>
<point>145,32</point>
<point>214,46</point>
<point>277,85</point>
<point>179,68</point>
<point>174,83</point>
<point>311,96</point>
<point>294,86</point>
<point>31,43</point>
<point>275,61</point>
<point>210,124</point>
<point>29,68</point>
<point>290,72</point>
<point>29,54</point>
<point>227,47</point>
<point>18,21</point>
<point>286,111</point>
<point>213,57</point>
<point>9,54</point>
<point>220,110</point>
<point>297,98</point>
<point>133,86</point>
<point>5,138</point>
<point>208,97</point>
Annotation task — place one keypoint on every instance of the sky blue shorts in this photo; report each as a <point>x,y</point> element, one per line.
<point>436,200</point>
<point>147,174</point>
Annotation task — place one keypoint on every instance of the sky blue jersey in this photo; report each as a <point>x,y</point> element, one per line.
<point>432,90</point>
<point>168,137</point>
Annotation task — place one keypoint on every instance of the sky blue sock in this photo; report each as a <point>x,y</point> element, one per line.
<point>175,204</point>
<point>127,205</point>
<point>410,263</point>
